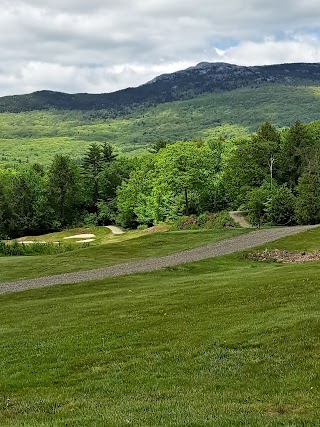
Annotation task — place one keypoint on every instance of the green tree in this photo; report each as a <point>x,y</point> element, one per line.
<point>63,186</point>
<point>6,177</point>
<point>280,206</point>
<point>186,170</point>
<point>158,146</point>
<point>110,179</point>
<point>107,153</point>
<point>257,201</point>
<point>29,212</point>
<point>308,201</point>
<point>251,163</point>
<point>292,154</point>
<point>92,166</point>
<point>134,198</point>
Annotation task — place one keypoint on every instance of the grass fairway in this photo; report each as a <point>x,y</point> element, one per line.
<point>101,235</point>
<point>127,247</point>
<point>223,342</point>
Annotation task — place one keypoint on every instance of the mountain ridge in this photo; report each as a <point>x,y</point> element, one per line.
<point>204,77</point>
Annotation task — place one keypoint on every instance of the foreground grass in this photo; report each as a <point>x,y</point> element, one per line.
<point>224,342</point>
<point>120,249</point>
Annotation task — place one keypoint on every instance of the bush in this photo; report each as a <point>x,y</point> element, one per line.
<point>106,213</point>
<point>257,200</point>
<point>206,220</point>
<point>90,219</point>
<point>308,201</point>
<point>215,220</point>
<point>142,227</point>
<point>185,223</point>
<point>280,207</point>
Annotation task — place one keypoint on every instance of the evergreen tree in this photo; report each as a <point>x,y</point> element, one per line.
<point>63,188</point>
<point>308,201</point>
<point>158,146</point>
<point>107,153</point>
<point>92,166</point>
<point>292,154</point>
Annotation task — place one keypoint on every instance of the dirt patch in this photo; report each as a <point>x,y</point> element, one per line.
<point>285,256</point>
<point>277,412</point>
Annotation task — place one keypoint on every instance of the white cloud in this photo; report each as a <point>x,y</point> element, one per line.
<point>269,51</point>
<point>103,45</point>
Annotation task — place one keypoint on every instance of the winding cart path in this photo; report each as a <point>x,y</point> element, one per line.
<point>223,247</point>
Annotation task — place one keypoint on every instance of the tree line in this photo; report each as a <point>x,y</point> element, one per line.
<point>274,174</point>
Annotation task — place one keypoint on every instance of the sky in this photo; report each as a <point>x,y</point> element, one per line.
<point>100,46</point>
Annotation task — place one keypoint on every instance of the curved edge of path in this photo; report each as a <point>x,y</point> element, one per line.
<point>240,217</point>
<point>223,247</point>
<point>115,230</point>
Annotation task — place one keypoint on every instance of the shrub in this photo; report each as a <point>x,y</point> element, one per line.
<point>185,223</point>
<point>308,201</point>
<point>280,207</point>
<point>216,220</point>
<point>106,213</point>
<point>90,219</point>
<point>142,227</point>
<point>257,200</point>
<point>206,220</point>
<point>21,249</point>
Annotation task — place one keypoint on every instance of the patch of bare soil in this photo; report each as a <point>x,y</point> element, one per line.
<point>156,229</point>
<point>285,256</point>
<point>240,217</point>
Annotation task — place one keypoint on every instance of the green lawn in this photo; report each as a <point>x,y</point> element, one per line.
<point>309,241</point>
<point>132,245</point>
<point>223,342</point>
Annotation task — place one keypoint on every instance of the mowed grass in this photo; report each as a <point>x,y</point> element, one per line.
<point>223,342</point>
<point>117,249</point>
<point>307,242</point>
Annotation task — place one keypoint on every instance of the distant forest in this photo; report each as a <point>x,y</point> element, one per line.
<point>37,136</point>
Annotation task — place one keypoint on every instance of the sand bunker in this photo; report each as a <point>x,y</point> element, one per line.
<point>86,241</point>
<point>30,242</point>
<point>80,236</point>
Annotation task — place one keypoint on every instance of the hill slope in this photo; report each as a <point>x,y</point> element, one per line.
<point>185,84</point>
<point>38,135</point>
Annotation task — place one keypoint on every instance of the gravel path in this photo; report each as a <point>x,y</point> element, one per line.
<point>114,229</point>
<point>240,218</point>
<point>224,247</point>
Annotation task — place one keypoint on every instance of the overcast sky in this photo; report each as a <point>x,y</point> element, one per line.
<point>103,45</point>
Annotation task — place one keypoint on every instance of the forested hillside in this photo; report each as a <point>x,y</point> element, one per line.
<point>38,135</point>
